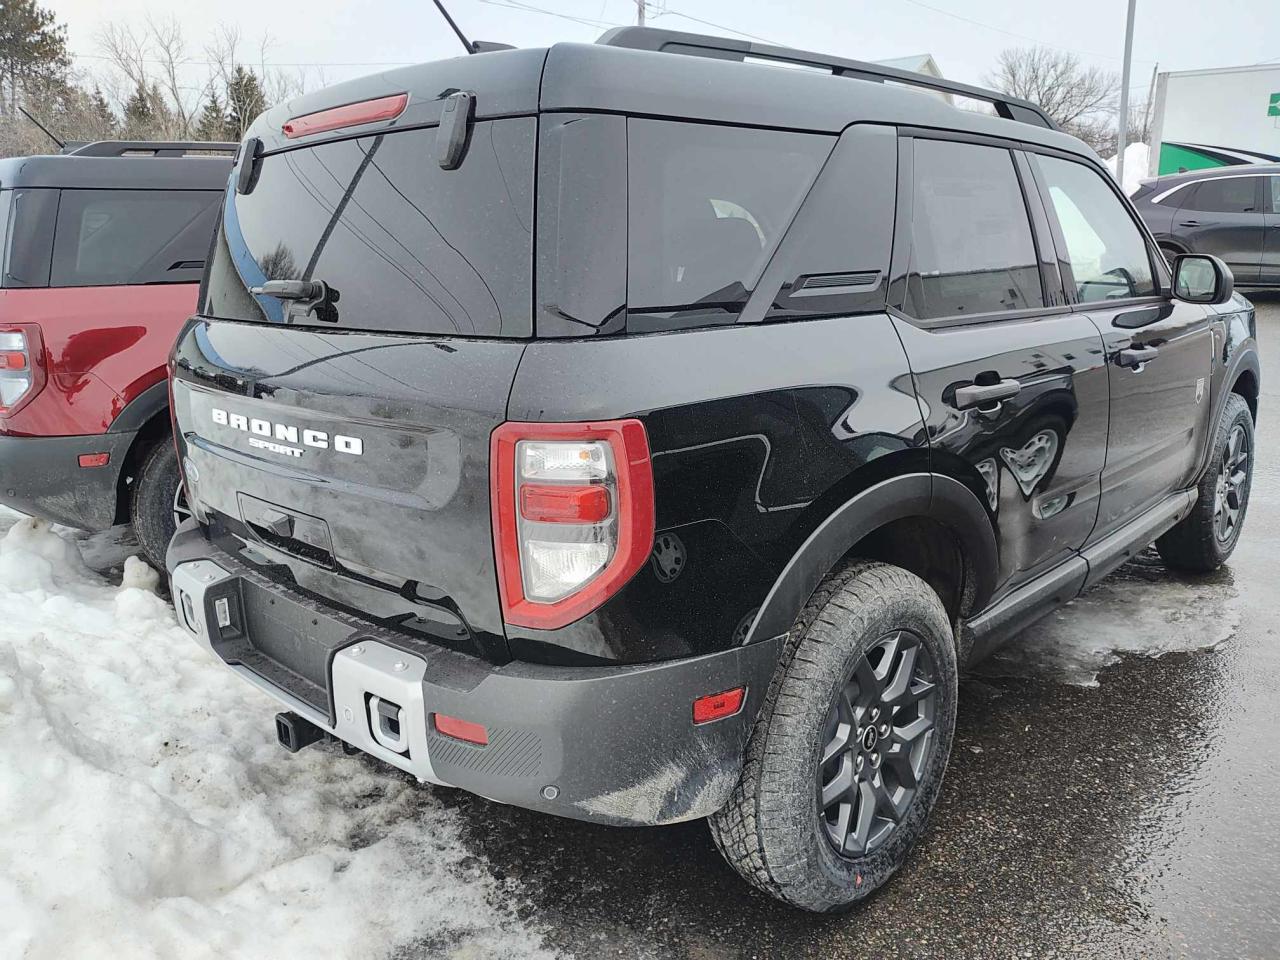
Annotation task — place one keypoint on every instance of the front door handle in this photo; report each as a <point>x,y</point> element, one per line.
<point>986,394</point>
<point>1135,357</point>
<point>1188,223</point>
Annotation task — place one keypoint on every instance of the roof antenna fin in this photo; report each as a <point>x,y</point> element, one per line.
<point>61,144</point>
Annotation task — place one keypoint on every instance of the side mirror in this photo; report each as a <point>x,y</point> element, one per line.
<point>1200,278</point>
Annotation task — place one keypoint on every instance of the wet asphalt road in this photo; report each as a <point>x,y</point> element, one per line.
<point>1136,818</point>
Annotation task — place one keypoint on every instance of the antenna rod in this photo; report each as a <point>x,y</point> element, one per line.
<point>61,145</point>
<point>461,36</point>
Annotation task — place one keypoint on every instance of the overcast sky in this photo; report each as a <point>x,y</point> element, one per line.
<point>337,40</point>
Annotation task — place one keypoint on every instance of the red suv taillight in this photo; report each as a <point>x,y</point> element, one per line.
<point>22,373</point>
<point>572,511</point>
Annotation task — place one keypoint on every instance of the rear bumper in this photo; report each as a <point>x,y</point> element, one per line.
<point>608,744</point>
<point>42,476</point>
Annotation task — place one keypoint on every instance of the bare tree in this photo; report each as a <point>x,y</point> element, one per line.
<point>1080,99</point>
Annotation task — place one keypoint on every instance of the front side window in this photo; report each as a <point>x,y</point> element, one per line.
<point>1107,252</point>
<point>116,237</point>
<point>1225,195</point>
<point>972,251</point>
<point>707,206</point>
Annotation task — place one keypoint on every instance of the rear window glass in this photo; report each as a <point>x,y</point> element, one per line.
<point>1225,195</point>
<point>707,206</point>
<point>113,237</point>
<point>402,244</point>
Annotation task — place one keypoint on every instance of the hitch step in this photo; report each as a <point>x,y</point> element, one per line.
<point>295,732</point>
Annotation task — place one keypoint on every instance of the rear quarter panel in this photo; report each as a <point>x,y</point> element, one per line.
<point>756,432</point>
<point>103,347</point>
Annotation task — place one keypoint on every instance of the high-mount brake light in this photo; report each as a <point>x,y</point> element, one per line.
<point>348,115</point>
<point>22,372</point>
<point>573,516</point>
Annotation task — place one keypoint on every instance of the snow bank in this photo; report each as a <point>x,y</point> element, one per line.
<point>1136,156</point>
<point>146,811</point>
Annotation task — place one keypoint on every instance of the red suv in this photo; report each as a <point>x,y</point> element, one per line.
<point>101,255</point>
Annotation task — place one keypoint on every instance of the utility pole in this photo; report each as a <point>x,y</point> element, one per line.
<point>1123,134</point>
<point>639,13</point>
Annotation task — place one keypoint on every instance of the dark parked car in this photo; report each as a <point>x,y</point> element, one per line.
<point>103,250</point>
<point>1232,213</point>
<point>632,434</point>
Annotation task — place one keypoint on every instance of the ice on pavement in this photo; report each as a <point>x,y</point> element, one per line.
<point>146,811</point>
<point>1142,610</point>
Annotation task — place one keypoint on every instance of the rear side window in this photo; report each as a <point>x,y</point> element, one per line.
<point>28,218</point>
<point>707,206</point>
<point>116,237</point>
<point>401,244</point>
<point>1225,195</point>
<point>972,250</point>
<point>1108,253</point>
<point>1275,194</point>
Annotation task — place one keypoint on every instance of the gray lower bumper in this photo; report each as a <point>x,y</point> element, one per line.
<point>42,476</point>
<point>609,744</point>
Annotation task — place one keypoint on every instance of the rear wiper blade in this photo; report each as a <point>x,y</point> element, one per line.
<point>306,297</point>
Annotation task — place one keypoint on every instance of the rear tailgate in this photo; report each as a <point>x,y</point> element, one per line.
<point>358,461</point>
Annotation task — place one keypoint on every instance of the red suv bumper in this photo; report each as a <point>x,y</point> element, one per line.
<point>43,476</point>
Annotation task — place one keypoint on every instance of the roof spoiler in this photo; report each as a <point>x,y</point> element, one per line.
<point>720,48</point>
<point>147,148</point>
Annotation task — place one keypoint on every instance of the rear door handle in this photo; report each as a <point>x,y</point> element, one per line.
<point>986,394</point>
<point>1135,357</point>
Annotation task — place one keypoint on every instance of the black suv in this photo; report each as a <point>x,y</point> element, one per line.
<point>634,433</point>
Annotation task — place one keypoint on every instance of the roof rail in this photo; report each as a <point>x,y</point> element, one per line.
<point>148,148</point>
<point>720,48</point>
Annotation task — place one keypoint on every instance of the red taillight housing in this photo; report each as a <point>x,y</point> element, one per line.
<point>349,115</point>
<point>22,366</point>
<point>573,516</point>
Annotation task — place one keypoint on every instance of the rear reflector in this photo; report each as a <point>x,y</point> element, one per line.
<point>350,115</point>
<point>717,706</point>
<point>94,459</point>
<point>461,729</point>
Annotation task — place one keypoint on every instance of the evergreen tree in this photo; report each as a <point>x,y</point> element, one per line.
<point>139,117</point>
<point>33,51</point>
<point>245,100</point>
<point>213,123</point>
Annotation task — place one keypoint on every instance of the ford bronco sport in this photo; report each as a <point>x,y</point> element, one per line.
<point>633,433</point>
<point>103,249</point>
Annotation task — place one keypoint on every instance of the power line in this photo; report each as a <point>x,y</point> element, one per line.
<point>718,26</point>
<point>1010,33</point>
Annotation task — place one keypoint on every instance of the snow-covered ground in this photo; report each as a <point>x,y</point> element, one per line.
<point>146,810</point>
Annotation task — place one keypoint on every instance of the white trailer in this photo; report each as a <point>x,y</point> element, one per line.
<point>1215,118</point>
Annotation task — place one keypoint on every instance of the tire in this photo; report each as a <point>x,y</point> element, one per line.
<point>154,491</point>
<point>1204,539</point>
<point>774,830</point>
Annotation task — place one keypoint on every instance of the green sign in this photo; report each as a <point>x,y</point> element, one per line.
<point>1273,110</point>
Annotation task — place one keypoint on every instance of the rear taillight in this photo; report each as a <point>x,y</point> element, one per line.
<point>22,372</point>
<point>572,516</point>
